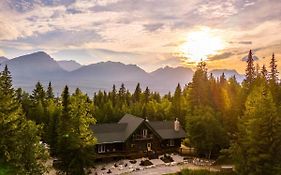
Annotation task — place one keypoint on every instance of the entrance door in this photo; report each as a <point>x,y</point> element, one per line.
<point>148,145</point>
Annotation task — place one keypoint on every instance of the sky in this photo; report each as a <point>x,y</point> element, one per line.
<point>149,33</point>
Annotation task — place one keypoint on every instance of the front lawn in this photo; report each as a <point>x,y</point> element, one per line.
<point>201,172</point>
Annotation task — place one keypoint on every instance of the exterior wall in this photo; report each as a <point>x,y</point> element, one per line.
<point>167,146</point>
<point>137,144</point>
<point>111,148</point>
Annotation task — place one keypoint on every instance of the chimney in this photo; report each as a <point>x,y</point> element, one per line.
<point>177,125</point>
<point>146,119</point>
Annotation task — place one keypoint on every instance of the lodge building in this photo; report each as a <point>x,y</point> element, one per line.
<point>137,137</point>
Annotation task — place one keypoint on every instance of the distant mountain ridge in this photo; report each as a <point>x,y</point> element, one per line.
<point>228,73</point>
<point>39,66</point>
<point>3,59</point>
<point>69,65</point>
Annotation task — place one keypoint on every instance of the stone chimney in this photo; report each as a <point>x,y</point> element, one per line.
<point>177,125</point>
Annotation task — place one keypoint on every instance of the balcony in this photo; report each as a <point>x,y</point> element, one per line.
<point>142,137</point>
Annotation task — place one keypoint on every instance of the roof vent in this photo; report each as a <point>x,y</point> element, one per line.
<point>177,125</point>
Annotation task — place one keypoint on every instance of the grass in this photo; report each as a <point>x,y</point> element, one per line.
<point>200,172</point>
<point>5,170</point>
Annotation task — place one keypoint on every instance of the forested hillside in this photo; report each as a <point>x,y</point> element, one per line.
<point>220,115</point>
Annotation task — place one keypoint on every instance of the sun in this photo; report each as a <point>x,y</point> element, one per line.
<point>201,44</point>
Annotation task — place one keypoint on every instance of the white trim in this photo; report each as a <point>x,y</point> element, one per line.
<point>101,148</point>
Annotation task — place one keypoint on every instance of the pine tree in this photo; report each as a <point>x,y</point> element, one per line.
<point>75,137</point>
<point>273,70</point>
<point>264,72</point>
<point>122,95</point>
<point>114,96</point>
<point>222,79</point>
<point>37,110</point>
<point>146,94</point>
<point>257,149</point>
<point>38,94</point>
<point>199,88</point>
<point>273,81</point>
<point>250,70</point>
<point>137,94</point>
<point>50,93</point>
<point>20,147</point>
<point>177,105</point>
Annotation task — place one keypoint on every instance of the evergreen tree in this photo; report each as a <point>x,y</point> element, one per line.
<point>20,147</point>
<point>37,110</point>
<point>273,70</point>
<point>257,149</point>
<point>273,81</point>
<point>205,132</point>
<point>250,70</point>
<point>264,72</point>
<point>137,94</point>
<point>122,95</point>
<point>76,140</point>
<point>146,94</point>
<point>50,93</point>
<point>177,105</point>
<point>38,94</point>
<point>200,91</point>
<point>222,79</point>
<point>114,96</point>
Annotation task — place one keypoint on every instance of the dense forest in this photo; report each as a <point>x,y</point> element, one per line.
<point>221,116</point>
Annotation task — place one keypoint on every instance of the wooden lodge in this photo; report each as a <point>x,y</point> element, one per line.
<point>136,137</point>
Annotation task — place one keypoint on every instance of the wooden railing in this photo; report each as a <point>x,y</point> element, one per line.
<point>141,137</point>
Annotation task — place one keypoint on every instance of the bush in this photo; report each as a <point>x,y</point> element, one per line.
<point>6,170</point>
<point>146,163</point>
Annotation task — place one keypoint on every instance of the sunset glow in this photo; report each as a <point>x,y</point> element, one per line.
<point>201,44</point>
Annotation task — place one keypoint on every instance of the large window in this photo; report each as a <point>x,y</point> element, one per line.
<point>144,133</point>
<point>101,148</point>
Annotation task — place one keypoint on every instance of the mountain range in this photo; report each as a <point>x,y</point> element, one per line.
<point>28,69</point>
<point>2,59</point>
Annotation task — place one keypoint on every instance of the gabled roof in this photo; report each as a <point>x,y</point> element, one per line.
<point>121,131</point>
<point>166,129</point>
<point>132,122</point>
<point>110,132</point>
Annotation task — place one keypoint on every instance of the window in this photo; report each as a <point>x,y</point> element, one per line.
<point>148,145</point>
<point>144,133</point>
<point>101,148</point>
<point>172,142</point>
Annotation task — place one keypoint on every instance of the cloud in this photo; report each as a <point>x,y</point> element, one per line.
<point>255,58</point>
<point>65,38</point>
<point>241,42</point>
<point>137,31</point>
<point>217,9</point>
<point>245,42</point>
<point>224,55</point>
<point>153,27</point>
